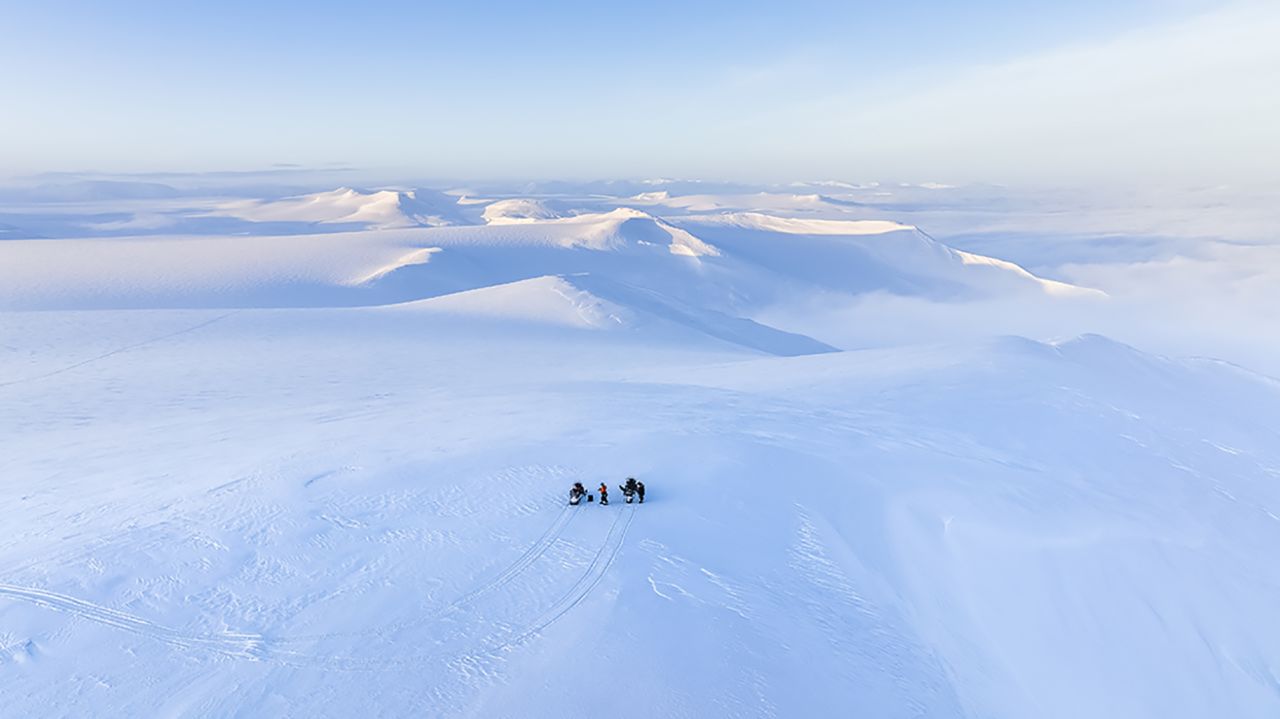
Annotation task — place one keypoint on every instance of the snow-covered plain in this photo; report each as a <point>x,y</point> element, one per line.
<point>320,469</point>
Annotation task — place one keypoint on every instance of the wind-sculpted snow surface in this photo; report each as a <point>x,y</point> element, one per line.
<point>325,474</point>
<point>327,512</point>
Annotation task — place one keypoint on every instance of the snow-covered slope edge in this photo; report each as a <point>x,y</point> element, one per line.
<point>867,255</point>
<point>587,302</point>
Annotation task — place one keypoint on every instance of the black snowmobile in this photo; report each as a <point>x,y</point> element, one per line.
<point>577,493</point>
<point>629,490</point>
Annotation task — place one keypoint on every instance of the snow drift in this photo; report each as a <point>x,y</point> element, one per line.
<point>379,209</point>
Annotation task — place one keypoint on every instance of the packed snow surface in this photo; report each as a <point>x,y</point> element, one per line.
<point>326,474</point>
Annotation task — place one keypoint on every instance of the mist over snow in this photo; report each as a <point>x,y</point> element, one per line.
<point>287,443</point>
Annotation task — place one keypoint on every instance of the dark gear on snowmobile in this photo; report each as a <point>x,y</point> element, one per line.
<point>629,489</point>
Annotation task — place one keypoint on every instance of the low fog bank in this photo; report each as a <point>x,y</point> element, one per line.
<point>1187,273</point>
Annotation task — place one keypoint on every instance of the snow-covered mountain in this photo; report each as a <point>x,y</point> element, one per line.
<point>378,209</point>
<point>324,474</point>
<point>737,263</point>
<point>517,210</point>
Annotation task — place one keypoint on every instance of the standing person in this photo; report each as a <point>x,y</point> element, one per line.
<point>604,493</point>
<point>640,491</point>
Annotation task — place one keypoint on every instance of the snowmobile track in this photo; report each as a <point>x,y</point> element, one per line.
<point>253,646</point>
<point>118,350</point>
<point>575,595</point>
<point>232,644</point>
<point>259,648</point>
<point>506,576</point>
<point>590,578</point>
<point>530,556</point>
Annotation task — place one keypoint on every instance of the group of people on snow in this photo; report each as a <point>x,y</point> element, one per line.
<point>631,489</point>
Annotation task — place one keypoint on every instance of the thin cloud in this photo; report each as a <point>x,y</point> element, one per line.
<point>1192,100</point>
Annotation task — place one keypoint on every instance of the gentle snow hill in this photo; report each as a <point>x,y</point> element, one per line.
<point>737,264</point>
<point>868,255</point>
<point>337,512</point>
<point>88,191</point>
<point>617,188</point>
<point>338,269</point>
<point>547,300</point>
<point>587,302</point>
<point>379,209</point>
<point>772,202</point>
<point>518,210</point>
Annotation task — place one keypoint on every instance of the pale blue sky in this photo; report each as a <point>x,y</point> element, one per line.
<point>914,89</point>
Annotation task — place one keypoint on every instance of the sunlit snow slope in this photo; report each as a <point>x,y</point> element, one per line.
<point>735,263</point>
<point>328,512</point>
<point>325,474</point>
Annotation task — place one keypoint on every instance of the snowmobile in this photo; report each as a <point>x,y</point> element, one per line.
<point>577,493</point>
<point>629,489</point>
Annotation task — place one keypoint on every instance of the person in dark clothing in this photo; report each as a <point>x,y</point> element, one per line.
<point>577,492</point>
<point>640,491</point>
<point>604,493</point>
